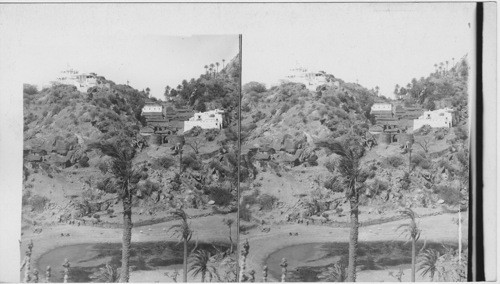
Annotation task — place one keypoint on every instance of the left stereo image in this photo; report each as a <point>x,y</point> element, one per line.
<point>130,160</point>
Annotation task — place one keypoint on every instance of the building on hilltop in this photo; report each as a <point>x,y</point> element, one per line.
<point>437,118</point>
<point>82,81</point>
<point>311,79</point>
<point>213,119</point>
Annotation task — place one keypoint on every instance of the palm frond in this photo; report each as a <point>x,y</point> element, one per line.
<point>428,262</point>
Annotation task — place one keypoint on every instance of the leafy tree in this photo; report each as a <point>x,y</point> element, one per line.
<point>353,178</point>
<point>199,264</point>
<point>123,182</point>
<point>412,231</point>
<point>185,233</point>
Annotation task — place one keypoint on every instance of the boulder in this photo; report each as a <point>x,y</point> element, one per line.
<point>262,156</point>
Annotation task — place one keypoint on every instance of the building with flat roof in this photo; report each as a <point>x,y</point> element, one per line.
<point>436,118</point>
<point>82,81</point>
<point>213,119</point>
<point>311,79</point>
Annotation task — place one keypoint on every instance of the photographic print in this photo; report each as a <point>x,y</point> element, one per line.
<point>130,159</point>
<point>355,144</point>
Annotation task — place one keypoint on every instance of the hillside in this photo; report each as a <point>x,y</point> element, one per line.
<point>64,177</point>
<point>292,179</point>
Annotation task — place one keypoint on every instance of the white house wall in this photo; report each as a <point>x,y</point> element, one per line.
<point>152,108</point>
<point>204,124</point>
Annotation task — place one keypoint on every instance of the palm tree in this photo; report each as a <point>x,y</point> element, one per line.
<point>106,274</point>
<point>212,66</point>
<point>428,263</point>
<point>185,233</point>
<point>167,92</point>
<point>206,68</point>
<point>217,64</point>
<point>199,264</point>
<point>223,60</point>
<point>123,181</point>
<point>350,169</point>
<point>412,231</point>
<point>229,223</point>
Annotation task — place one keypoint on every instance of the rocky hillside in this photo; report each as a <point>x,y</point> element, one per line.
<point>64,178</point>
<point>289,178</point>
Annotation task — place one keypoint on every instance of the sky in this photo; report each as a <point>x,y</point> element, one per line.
<point>377,44</point>
<point>373,44</point>
<point>144,61</point>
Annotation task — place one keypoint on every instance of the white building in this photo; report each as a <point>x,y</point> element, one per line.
<point>212,119</point>
<point>436,118</point>
<point>81,81</point>
<point>152,107</point>
<point>381,107</point>
<point>311,79</point>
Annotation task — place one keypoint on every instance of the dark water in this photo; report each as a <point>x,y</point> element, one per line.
<point>85,259</point>
<point>313,262</point>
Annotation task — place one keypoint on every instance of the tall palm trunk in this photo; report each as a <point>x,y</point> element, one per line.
<point>230,240</point>
<point>127,237</point>
<point>413,257</point>
<point>203,276</point>
<point>184,261</point>
<point>353,239</point>
<point>180,161</point>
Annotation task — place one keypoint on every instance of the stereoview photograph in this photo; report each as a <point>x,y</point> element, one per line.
<point>355,146</point>
<point>130,161</point>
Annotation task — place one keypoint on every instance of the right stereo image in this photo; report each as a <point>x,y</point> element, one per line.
<point>355,146</point>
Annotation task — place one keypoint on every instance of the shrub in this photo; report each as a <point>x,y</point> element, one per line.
<point>449,194</point>
<point>149,187</point>
<point>380,185</point>
<point>330,165</point>
<point>254,86</point>
<point>394,161</point>
<point>190,161</point>
<point>258,116</point>
<point>284,108</point>
<point>245,213</point>
<point>26,197</point>
<point>84,162</point>
<point>29,89</point>
<point>38,202</point>
<point>245,108</point>
<point>420,160</point>
<point>333,184</point>
<point>266,201</point>
<point>103,167</point>
<point>439,135</point>
<point>461,132</point>
<point>221,196</point>
<point>163,163</point>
